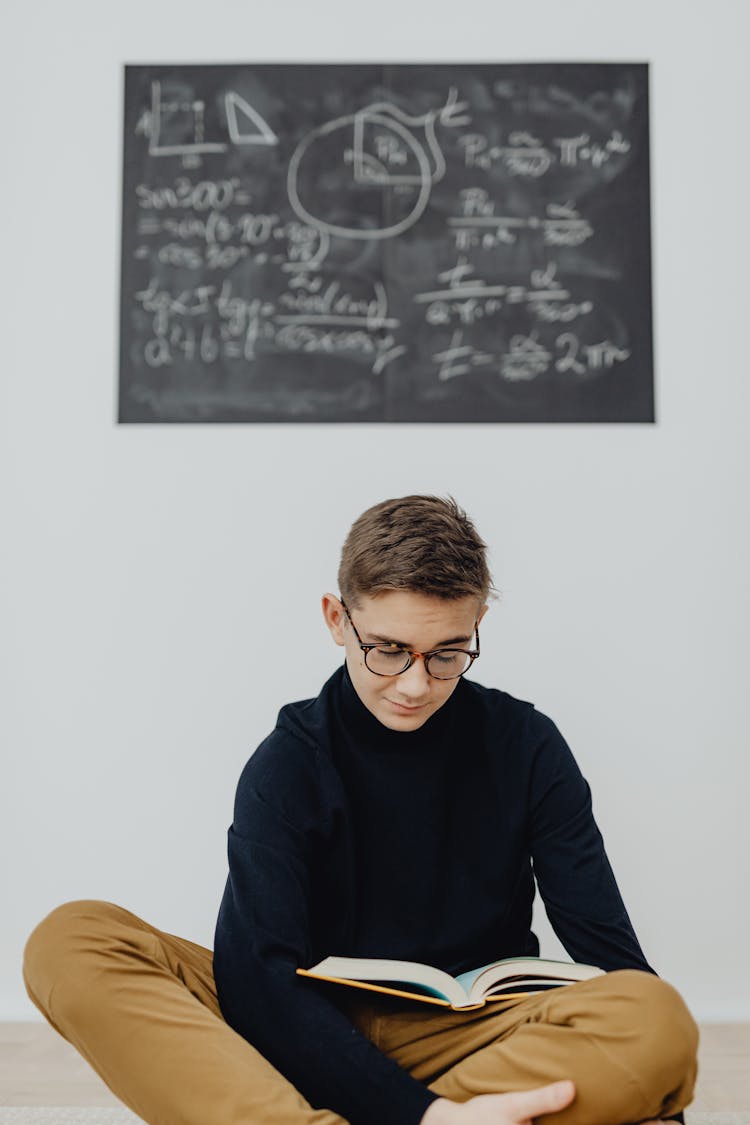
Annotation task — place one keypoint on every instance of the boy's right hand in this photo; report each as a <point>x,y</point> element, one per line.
<point>502,1109</point>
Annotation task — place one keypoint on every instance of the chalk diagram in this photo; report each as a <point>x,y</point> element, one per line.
<point>355,159</point>
<point>177,125</point>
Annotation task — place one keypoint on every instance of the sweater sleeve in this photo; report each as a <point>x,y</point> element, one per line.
<point>571,867</point>
<point>263,935</point>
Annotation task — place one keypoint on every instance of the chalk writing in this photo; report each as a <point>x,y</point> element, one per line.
<point>216,324</point>
<point>386,243</point>
<point>527,358</point>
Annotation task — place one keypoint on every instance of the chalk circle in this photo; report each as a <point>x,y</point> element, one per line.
<point>354,122</point>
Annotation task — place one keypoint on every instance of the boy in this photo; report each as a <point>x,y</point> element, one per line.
<point>398,814</point>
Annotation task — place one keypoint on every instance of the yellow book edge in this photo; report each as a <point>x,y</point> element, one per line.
<point>413,995</point>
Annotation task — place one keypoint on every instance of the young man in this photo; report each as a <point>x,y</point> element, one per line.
<point>405,812</point>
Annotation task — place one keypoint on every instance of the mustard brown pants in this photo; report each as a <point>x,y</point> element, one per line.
<point>140,1006</point>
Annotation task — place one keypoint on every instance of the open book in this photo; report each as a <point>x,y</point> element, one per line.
<point>511,978</point>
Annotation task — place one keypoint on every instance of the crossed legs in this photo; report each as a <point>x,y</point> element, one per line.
<point>140,1006</point>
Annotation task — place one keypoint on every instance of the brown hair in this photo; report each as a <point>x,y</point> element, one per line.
<point>424,544</point>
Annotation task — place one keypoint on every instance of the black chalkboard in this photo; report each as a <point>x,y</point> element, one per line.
<point>396,243</point>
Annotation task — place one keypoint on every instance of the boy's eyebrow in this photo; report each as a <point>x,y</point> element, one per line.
<point>403,644</point>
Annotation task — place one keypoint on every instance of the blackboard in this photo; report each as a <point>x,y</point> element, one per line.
<point>386,243</point>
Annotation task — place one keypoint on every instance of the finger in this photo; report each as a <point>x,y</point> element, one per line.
<point>545,1099</point>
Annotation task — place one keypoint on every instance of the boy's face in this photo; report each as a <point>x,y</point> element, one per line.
<point>417,622</point>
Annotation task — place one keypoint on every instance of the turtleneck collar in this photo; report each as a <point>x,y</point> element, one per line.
<point>362,725</point>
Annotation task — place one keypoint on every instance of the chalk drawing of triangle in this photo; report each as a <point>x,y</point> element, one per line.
<point>246,126</point>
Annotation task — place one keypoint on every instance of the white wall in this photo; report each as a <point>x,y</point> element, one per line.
<point>148,569</point>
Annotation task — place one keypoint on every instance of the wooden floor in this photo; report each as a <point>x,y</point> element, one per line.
<point>39,1068</point>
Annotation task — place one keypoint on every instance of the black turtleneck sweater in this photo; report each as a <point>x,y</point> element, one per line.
<point>352,839</point>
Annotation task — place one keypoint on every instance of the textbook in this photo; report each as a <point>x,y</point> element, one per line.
<point>509,979</point>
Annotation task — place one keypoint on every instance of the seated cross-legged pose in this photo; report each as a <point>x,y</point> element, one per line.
<point>408,813</point>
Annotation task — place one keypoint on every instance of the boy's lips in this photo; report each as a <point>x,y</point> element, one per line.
<point>406,710</point>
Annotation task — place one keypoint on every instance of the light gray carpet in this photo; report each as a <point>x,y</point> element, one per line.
<point>93,1115</point>
<point>66,1115</point>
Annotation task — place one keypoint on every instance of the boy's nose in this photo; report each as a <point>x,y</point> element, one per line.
<point>415,681</point>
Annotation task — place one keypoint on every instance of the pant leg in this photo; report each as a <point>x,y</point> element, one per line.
<point>141,1007</point>
<point>626,1039</point>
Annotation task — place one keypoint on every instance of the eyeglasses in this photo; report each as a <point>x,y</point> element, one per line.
<point>393,659</point>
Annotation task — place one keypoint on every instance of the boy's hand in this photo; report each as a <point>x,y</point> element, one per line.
<point>501,1109</point>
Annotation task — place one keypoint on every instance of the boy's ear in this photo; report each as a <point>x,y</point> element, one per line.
<point>334,617</point>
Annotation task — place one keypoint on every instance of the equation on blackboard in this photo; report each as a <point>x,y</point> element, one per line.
<point>386,243</point>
